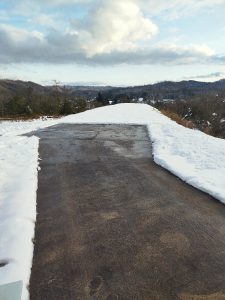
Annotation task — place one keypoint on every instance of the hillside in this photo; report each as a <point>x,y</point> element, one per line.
<point>10,88</point>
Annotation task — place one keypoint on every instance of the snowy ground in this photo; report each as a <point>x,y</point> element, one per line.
<point>18,185</point>
<point>195,157</point>
<point>12,128</point>
<point>18,175</point>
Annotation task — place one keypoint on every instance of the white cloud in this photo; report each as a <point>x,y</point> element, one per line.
<point>170,9</point>
<point>155,6</point>
<point>44,20</point>
<point>208,77</point>
<point>196,50</point>
<point>115,26</point>
<point>62,2</point>
<point>177,8</point>
<point>19,45</point>
<point>19,36</point>
<point>170,54</point>
<point>111,33</point>
<point>108,26</point>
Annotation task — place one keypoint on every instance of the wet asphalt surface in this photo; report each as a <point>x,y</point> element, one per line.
<point>112,224</point>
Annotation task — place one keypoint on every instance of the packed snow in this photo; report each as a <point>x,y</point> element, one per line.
<point>195,157</point>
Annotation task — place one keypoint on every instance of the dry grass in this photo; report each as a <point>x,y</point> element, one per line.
<point>27,118</point>
<point>178,119</point>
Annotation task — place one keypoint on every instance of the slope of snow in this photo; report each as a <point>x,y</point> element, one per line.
<point>196,158</point>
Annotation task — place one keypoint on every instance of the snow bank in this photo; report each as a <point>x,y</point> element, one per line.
<point>12,128</point>
<point>18,185</point>
<point>196,158</point>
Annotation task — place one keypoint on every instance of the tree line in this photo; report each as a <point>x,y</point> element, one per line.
<point>205,111</point>
<point>57,102</point>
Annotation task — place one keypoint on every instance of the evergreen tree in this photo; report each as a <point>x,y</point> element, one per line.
<point>67,108</point>
<point>101,99</point>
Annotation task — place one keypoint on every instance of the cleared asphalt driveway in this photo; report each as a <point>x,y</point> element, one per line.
<point>113,225</point>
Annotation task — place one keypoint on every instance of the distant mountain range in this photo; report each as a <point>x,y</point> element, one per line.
<point>168,89</point>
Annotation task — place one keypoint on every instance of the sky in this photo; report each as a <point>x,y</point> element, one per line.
<point>112,42</point>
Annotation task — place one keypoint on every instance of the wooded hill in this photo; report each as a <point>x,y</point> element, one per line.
<point>199,102</point>
<point>166,89</point>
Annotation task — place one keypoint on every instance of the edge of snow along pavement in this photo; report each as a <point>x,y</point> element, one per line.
<point>18,187</point>
<point>193,156</point>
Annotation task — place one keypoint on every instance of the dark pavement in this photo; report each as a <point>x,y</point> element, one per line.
<point>113,225</point>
